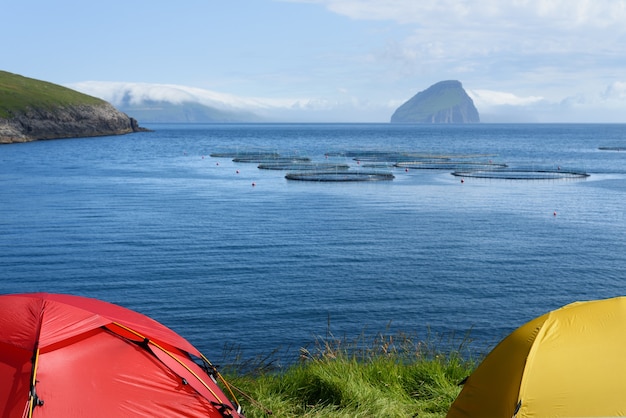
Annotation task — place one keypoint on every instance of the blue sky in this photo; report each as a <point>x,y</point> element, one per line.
<point>335,60</point>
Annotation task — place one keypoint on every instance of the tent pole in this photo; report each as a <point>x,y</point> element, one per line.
<point>32,398</point>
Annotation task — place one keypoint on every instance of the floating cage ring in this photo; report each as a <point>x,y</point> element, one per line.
<point>304,166</point>
<point>394,156</point>
<point>245,154</point>
<point>522,174</point>
<point>449,165</point>
<point>266,159</point>
<point>339,176</point>
<point>612,148</point>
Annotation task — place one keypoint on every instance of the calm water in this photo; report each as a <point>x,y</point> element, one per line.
<point>152,222</point>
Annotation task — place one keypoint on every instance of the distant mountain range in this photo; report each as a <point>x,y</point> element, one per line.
<point>444,102</point>
<point>169,103</point>
<point>151,111</point>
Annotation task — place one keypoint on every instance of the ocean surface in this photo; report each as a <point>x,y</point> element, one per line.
<point>230,255</point>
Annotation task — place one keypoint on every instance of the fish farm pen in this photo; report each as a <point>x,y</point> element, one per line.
<point>304,166</point>
<point>372,165</point>
<point>612,148</point>
<point>329,176</point>
<point>449,165</point>
<point>245,154</point>
<point>265,159</point>
<point>521,174</point>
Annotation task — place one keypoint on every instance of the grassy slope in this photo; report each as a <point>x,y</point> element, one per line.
<point>447,99</point>
<point>432,103</point>
<point>393,377</point>
<point>19,93</point>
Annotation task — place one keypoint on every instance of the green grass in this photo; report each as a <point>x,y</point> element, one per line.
<point>431,104</point>
<point>444,100</point>
<point>18,94</point>
<point>390,376</point>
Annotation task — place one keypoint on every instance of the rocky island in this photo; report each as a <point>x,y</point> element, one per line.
<point>443,102</point>
<point>31,110</point>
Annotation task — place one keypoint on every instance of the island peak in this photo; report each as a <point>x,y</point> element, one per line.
<point>443,102</point>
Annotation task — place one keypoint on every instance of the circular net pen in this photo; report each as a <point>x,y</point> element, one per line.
<point>522,174</point>
<point>612,148</point>
<point>270,160</point>
<point>304,166</point>
<point>379,165</point>
<point>340,176</point>
<point>374,155</point>
<point>450,165</point>
<point>245,154</point>
<point>401,156</point>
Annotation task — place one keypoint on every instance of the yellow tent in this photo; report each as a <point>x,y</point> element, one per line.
<point>570,362</point>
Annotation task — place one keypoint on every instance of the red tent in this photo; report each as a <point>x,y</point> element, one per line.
<point>70,356</point>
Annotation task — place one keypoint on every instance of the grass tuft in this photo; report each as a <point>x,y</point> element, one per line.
<point>388,375</point>
<point>19,94</point>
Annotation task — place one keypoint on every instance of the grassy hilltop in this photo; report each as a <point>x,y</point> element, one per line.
<point>18,94</point>
<point>31,110</point>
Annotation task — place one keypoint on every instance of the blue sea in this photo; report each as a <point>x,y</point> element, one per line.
<point>230,255</point>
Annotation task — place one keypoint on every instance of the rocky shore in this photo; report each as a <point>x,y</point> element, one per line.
<point>69,121</point>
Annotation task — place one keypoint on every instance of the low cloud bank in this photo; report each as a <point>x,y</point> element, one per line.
<point>608,105</point>
<point>269,109</point>
<point>118,93</point>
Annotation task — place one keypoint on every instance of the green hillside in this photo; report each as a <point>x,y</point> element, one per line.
<point>433,103</point>
<point>18,93</point>
<point>443,102</point>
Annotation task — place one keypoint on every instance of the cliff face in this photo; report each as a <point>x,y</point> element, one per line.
<point>32,109</point>
<point>444,102</point>
<point>66,122</point>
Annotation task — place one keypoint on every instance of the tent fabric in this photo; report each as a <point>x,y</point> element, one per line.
<point>93,358</point>
<point>74,315</point>
<point>567,363</point>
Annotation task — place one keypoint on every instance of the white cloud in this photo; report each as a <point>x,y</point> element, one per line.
<point>494,40</point>
<point>344,109</point>
<point>565,13</point>
<point>607,105</point>
<point>498,106</point>
<point>137,93</point>
<point>616,91</point>
<point>490,98</point>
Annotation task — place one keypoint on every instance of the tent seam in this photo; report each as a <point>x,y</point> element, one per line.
<point>527,364</point>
